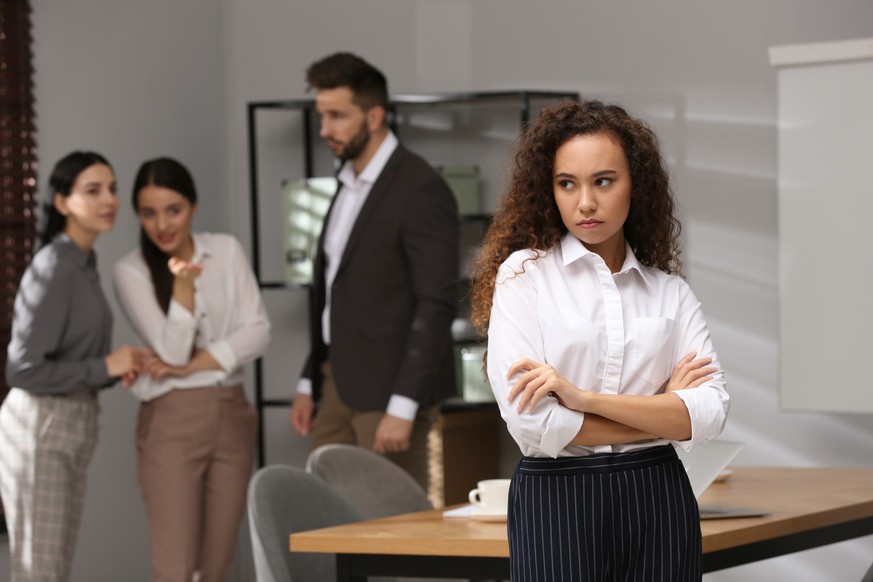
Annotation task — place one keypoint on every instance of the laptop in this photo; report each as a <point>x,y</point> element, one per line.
<point>704,463</point>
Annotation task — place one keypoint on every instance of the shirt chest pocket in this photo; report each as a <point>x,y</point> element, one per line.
<point>653,339</point>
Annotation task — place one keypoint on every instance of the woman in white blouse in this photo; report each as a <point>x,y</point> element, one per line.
<point>598,353</point>
<point>193,299</point>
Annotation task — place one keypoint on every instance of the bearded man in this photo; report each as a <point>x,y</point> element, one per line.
<point>381,356</point>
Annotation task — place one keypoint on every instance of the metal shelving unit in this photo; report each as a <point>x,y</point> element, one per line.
<point>523,100</point>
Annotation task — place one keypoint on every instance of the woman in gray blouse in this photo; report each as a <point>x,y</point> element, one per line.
<point>59,357</point>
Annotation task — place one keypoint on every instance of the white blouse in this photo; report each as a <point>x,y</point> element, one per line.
<point>229,319</point>
<point>610,333</point>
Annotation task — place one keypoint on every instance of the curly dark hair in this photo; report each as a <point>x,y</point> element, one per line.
<point>528,218</point>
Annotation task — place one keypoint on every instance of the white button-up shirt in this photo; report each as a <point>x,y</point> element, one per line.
<point>609,333</point>
<point>229,319</point>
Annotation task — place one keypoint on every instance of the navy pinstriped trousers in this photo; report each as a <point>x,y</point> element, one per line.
<point>605,517</point>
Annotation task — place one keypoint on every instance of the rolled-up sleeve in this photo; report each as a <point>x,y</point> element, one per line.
<point>707,404</point>
<point>514,333</point>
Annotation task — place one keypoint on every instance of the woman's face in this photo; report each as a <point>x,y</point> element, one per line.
<point>166,217</point>
<point>592,188</point>
<point>91,206</point>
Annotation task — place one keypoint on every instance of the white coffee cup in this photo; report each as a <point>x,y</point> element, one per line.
<point>491,496</point>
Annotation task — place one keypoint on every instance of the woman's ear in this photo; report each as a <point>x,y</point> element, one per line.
<point>60,203</point>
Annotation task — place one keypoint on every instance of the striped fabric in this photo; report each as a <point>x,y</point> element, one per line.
<point>46,443</point>
<point>605,517</point>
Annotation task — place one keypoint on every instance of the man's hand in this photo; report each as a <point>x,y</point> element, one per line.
<point>301,414</point>
<point>392,435</point>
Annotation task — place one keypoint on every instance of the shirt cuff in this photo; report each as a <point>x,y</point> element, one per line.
<point>178,314</point>
<point>563,426</point>
<point>224,355</point>
<point>707,416</point>
<point>402,407</point>
<point>97,374</point>
<point>304,386</point>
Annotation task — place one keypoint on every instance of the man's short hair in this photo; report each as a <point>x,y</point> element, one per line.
<point>368,84</point>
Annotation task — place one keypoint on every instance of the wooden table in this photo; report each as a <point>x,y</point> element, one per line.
<point>808,508</point>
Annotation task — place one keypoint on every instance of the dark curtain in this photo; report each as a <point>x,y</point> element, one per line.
<point>18,185</point>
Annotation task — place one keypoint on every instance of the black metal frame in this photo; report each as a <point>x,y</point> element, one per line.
<point>522,98</point>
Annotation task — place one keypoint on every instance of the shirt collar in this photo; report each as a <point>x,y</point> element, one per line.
<point>374,167</point>
<point>79,257</point>
<point>572,250</point>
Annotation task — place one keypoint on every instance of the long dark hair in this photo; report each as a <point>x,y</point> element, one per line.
<point>61,181</point>
<point>170,174</point>
<point>528,217</point>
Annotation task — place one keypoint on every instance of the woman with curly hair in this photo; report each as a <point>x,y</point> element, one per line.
<point>598,353</point>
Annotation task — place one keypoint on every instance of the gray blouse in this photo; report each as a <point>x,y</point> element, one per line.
<point>62,324</point>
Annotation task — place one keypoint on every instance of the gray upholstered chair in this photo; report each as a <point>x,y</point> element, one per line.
<point>375,486</point>
<point>283,500</point>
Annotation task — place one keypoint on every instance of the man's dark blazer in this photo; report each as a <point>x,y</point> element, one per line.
<point>394,296</point>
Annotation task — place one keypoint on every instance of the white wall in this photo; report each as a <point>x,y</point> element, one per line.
<point>141,79</point>
<point>132,80</point>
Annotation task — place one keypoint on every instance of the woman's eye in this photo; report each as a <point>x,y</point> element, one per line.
<point>603,182</point>
<point>565,184</point>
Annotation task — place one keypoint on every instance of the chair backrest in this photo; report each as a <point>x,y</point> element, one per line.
<point>375,486</point>
<point>284,500</point>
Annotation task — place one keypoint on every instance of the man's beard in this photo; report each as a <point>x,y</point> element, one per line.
<point>356,145</point>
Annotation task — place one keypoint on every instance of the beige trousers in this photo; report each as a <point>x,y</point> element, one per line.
<point>336,423</point>
<point>195,457</point>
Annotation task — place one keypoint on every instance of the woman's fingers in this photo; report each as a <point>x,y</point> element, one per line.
<point>524,365</point>
<point>700,381</point>
<point>533,385</point>
<point>184,269</point>
<point>525,386</point>
<point>541,392</point>
<point>688,371</point>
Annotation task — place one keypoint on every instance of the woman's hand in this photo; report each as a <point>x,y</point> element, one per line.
<point>185,270</point>
<point>200,361</point>
<point>690,373</point>
<point>126,362</point>
<point>158,369</point>
<point>540,380</point>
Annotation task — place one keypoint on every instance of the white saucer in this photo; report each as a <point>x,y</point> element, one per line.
<point>482,515</point>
